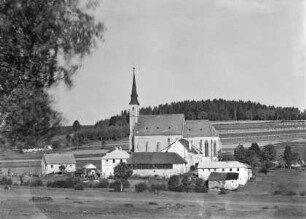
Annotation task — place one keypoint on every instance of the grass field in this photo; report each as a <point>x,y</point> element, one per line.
<point>253,201</point>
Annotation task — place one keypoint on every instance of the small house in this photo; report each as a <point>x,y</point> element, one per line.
<point>163,164</point>
<point>89,169</point>
<point>51,163</point>
<point>187,151</point>
<point>244,170</point>
<point>219,180</point>
<point>112,159</point>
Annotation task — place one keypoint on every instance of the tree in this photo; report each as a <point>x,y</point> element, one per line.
<point>239,153</point>
<point>254,147</point>
<point>188,183</point>
<point>42,43</point>
<point>62,168</point>
<point>76,126</point>
<point>288,156</point>
<point>122,172</point>
<point>269,153</point>
<point>29,116</point>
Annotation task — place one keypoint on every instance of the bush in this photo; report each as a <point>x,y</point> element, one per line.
<point>36,182</point>
<point>174,184</point>
<point>222,192</point>
<point>188,183</point>
<point>141,187</point>
<point>79,186</point>
<point>303,193</point>
<point>117,185</point>
<point>200,186</point>
<point>103,183</point>
<point>68,183</point>
<point>291,193</point>
<point>6,181</point>
<point>156,187</point>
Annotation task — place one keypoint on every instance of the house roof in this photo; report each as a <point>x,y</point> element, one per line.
<point>156,158</point>
<point>217,176</point>
<point>222,164</point>
<point>116,154</point>
<point>185,144</point>
<point>89,166</point>
<point>168,124</point>
<point>199,128</point>
<point>59,158</point>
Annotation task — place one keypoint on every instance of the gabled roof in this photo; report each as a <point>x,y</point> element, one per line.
<point>218,176</point>
<point>199,128</point>
<point>59,158</point>
<point>155,158</point>
<point>222,164</point>
<point>168,124</point>
<point>116,154</point>
<point>89,166</point>
<point>185,144</point>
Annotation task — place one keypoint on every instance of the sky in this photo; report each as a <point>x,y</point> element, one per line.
<point>190,50</point>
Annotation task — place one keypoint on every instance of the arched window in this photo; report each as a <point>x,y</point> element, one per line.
<point>147,146</point>
<point>157,146</point>
<point>215,148</point>
<point>206,148</point>
<point>201,149</point>
<point>168,141</point>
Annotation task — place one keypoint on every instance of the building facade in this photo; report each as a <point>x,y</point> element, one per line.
<point>51,163</point>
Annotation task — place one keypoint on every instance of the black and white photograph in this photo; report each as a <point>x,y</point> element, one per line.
<point>152,109</point>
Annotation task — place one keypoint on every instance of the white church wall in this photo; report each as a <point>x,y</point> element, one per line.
<point>154,143</point>
<point>196,141</point>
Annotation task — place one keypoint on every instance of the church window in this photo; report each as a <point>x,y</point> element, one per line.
<point>133,108</point>
<point>237,169</point>
<point>157,146</point>
<point>147,128</point>
<point>215,148</point>
<point>114,160</point>
<point>120,160</point>
<point>51,166</point>
<point>147,145</point>
<point>206,148</point>
<point>201,145</point>
<point>189,129</point>
<point>168,141</point>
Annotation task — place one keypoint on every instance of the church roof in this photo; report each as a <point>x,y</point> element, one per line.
<point>134,94</point>
<point>168,124</point>
<point>185,144</point>
<point>199,128</point>
<point>156,158</point>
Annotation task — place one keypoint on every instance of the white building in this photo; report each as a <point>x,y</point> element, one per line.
<point>244,170</point>
<point>112,159</point>
<point>51,163</point>
<point>188,152</point>
<point>152,133</point>
<point>157,164</point>
<point>218,180</point>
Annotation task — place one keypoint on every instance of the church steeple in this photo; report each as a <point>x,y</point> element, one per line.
<point>134,95</point>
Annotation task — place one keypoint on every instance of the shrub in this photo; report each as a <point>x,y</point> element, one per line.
<point>79,186</point>
<point>68,183</point>
<point>103,183</point>
<point>188,183</point>
<point>222,191</point>
<point>291,192</point>
<point>174,184</point>
<point>156,187</point>
<point>6,181</point>
<point>141,187</point>
<point>36,182</point>
<point>200,186</point>
<point>303,193</point>
<point>117,185</point>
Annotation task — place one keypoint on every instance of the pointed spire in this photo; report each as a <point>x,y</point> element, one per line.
<point>134,94</point>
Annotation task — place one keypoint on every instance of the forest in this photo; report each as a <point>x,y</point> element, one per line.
<point>117,127</point>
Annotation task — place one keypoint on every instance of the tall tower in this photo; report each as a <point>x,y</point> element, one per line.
<point>134,112</point>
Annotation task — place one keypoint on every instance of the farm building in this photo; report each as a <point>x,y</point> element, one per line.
<point>112,159</point>
<point>218,180</point>
<point>90,169</point>
<point>187,151</point>
<point>152,133</point>
<point>244,170</point>
<point>51,163</point>
<point>157,164</point>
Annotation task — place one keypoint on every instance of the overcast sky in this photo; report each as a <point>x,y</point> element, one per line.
<point>196,49</point>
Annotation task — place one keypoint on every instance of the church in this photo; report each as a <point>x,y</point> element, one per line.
<point>153,133</point>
